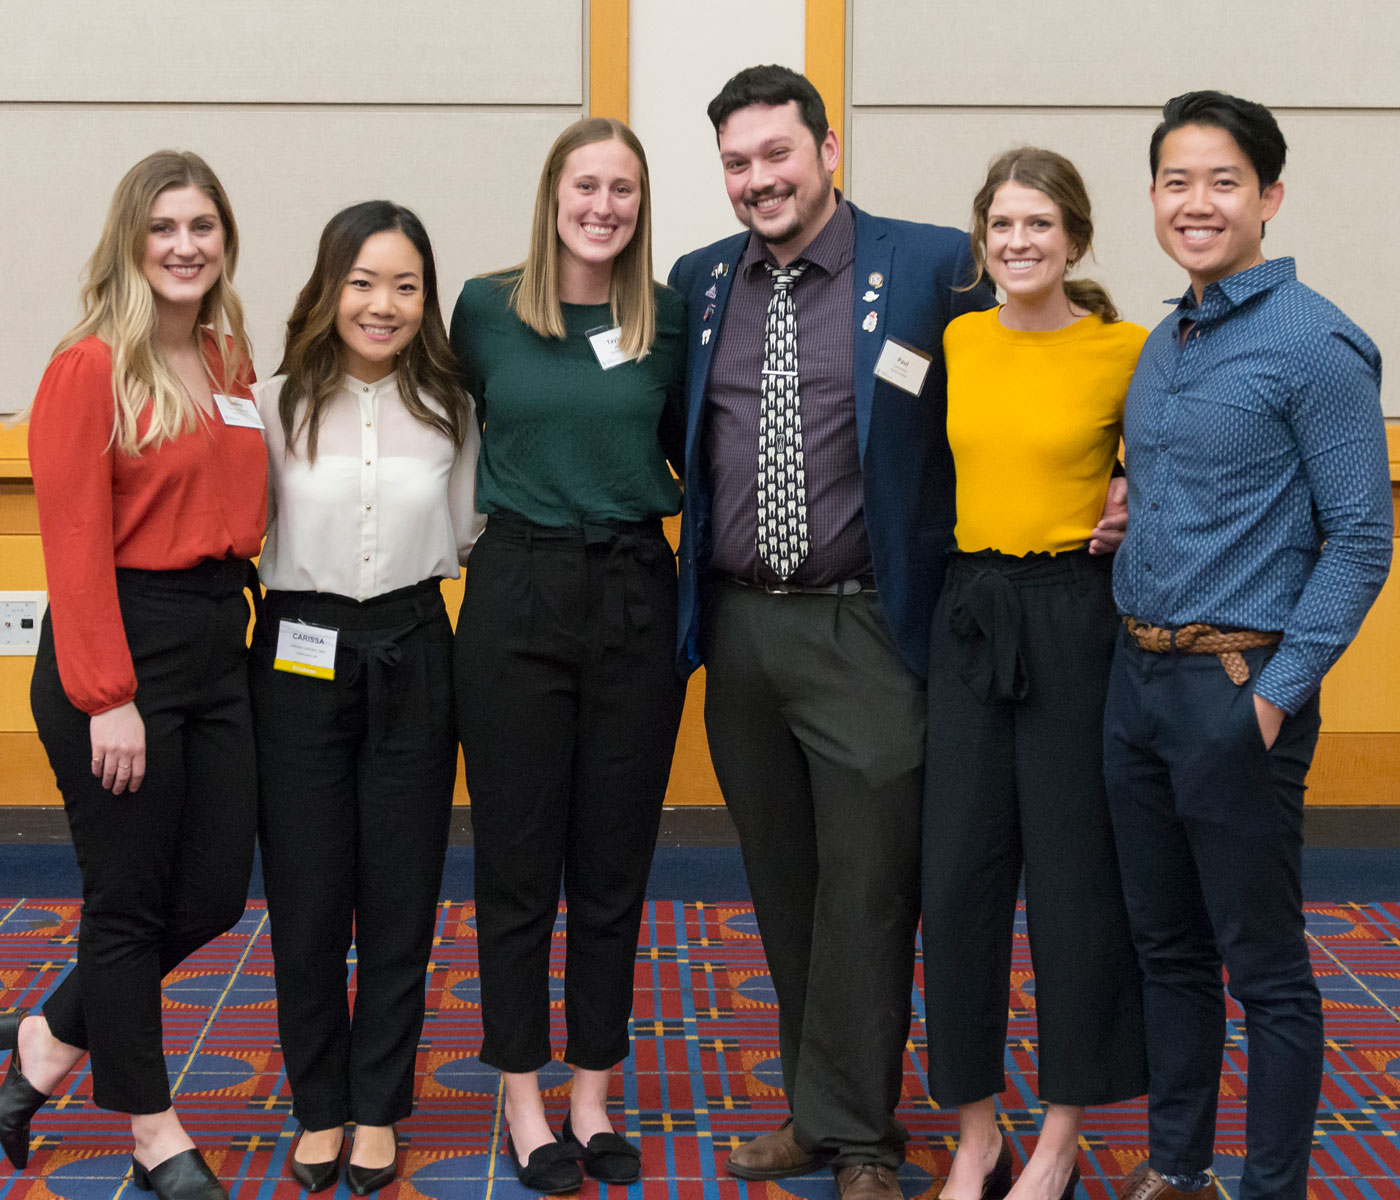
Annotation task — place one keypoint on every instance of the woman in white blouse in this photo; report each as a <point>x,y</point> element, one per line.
<point>372,450</point>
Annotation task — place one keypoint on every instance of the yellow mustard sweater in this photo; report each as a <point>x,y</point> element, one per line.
<point>1034,420</point>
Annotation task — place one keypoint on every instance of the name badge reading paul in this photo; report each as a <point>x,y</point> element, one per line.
<point>305,649</point>
<point>238,410</point>
<point>606,348</point>
<point>903,366</point>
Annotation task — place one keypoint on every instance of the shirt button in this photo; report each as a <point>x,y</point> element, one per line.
<point>367,461</point>
<point>1145,566</point>
<point>1172,390</point>
<point>364,389</point>
<point>370,506</point>
<point>1163,446</point>
<point>1155,506</point>
<point>369,425</point>
<point>366,558</point>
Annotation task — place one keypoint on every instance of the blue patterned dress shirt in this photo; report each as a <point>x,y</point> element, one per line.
<point>1258,481</point>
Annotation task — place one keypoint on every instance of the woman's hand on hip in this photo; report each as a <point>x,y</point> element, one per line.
<point>119,748</point>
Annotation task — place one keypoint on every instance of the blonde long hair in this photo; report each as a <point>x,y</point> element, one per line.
<point>119,307</point>
<point>1059,179</point>
<point>535,295</point>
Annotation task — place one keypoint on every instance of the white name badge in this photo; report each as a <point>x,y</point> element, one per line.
<point>903,366</point>
<point>605,346</point>
<point>238,410</point>
<point>305,649</point>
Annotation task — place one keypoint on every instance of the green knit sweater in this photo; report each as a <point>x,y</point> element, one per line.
<point>564,441</point>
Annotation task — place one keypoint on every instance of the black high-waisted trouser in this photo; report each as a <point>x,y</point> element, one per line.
<point>568,704</point>
<point>356,779</point>
<point>165,868</point>
<point>1018,671</point>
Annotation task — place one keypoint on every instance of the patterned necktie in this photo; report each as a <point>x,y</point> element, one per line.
<point>782,486</point>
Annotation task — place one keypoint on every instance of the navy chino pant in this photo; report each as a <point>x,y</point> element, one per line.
<point>1209,827</point>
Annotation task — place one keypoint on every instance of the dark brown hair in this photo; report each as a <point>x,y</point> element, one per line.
<point>312,359</point>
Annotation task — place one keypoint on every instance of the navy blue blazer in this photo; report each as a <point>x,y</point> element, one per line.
<point>906,466</point>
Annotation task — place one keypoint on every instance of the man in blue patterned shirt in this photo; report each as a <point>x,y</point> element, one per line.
<point>1259,534</point>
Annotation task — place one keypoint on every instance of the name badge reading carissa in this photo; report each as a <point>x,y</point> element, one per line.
<point>606,348</point>
<point>305,649</point>
<point>903,366</point>
<point>238,410</point>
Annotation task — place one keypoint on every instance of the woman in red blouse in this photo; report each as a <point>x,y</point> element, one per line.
<point>150,476</point>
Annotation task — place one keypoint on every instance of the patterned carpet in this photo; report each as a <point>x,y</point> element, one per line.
<point>704,1074</point>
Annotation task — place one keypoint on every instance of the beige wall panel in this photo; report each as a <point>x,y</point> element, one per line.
<point>926,166</point>
<point>1100,52</point>
<point>676,68</point>
<point>268,51</point>
<point>470,175</point>
<point>1361,693</point>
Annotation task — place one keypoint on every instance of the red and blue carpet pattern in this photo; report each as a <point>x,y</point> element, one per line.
<point>704,1074</point>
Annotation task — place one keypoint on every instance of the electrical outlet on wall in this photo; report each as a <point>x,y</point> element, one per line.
<point>21,613</point>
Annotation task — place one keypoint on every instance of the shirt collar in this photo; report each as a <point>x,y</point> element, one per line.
<point>1234,290</point>
<point>829,251</point>
<point>390,383</point>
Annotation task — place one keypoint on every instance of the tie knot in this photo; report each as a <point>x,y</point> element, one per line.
<point>785,277</point>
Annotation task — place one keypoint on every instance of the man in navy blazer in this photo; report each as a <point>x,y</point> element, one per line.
<point>815,704</point>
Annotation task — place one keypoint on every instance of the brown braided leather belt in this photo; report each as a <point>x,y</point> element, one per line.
<point>1202,639</point>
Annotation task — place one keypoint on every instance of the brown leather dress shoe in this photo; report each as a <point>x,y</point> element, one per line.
<point>867,1181</point>
<point>773,1155</point>
<point>1145,1184</point>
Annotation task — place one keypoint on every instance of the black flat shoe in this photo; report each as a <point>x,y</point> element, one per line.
<point>551,1169</point>
<point>183,1176</point>
<point>316,1177</point>
<point>998,1180</point>
<point>19,1099</point>
<point>608,1157</point>
<point>363,1180</point>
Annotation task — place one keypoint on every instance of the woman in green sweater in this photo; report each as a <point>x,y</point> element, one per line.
<point>567,698</point>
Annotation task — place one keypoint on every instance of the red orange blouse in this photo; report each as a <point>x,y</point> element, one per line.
<point>200,495</point>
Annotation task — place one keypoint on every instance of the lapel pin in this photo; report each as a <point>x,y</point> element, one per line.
<point>719,269</point>
<point>709,312</point>
<point>710,292</point>
<point>876,280</point>
<point>869,296</point>
<point>705,337</point>
<point>871,320</point>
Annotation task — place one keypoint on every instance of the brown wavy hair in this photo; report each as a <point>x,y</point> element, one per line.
<point>312,360</point>
<point>1058,178</point>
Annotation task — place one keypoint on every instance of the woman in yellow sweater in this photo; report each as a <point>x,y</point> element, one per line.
<point>1022,640</point>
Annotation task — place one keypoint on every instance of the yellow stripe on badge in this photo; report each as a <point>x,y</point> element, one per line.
<point>297,668</point>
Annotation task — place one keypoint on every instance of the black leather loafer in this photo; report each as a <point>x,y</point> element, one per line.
<point>608,1157</point>
<point>551,1169</point>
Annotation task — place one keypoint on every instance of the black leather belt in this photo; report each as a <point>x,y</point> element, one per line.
<point>843,587</point>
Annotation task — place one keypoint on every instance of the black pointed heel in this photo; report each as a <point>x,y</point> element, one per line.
<point>316,1177</point>
<point>19,1099</point>
<point>363,1180</point>
<point>183,1176</point>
